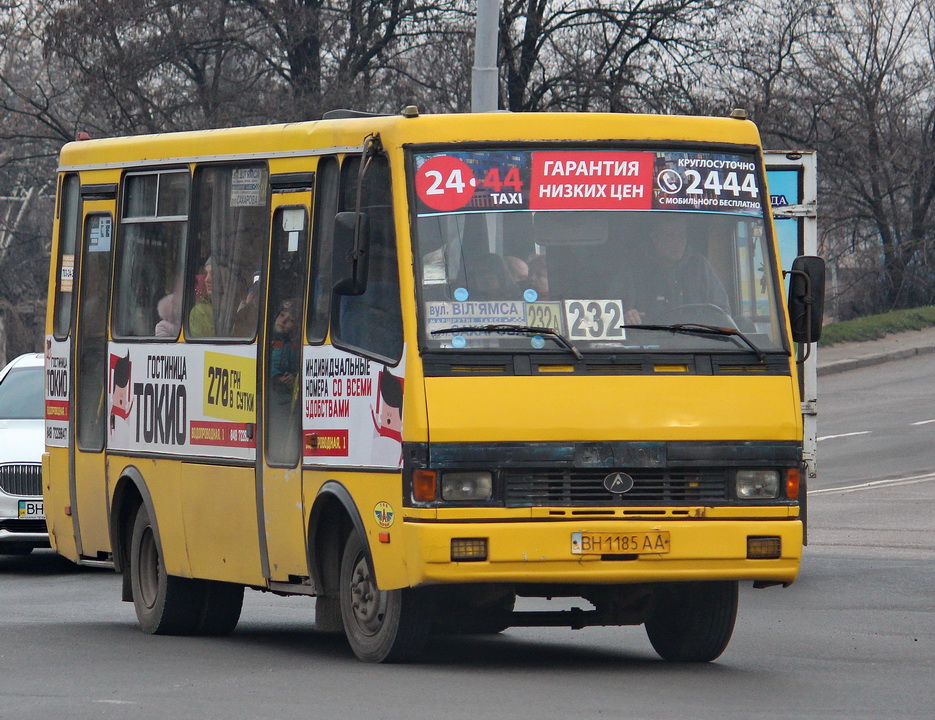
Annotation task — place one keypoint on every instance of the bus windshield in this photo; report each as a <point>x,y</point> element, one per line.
<point>593,251</point>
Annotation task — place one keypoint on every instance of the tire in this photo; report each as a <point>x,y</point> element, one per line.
<point>380,625</point>
<point>693,622</point>
<point>164,604</point>
<point>221,606</point>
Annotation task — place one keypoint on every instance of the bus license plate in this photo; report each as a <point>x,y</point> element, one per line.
<point>588,543</point>
<point>31,509</point>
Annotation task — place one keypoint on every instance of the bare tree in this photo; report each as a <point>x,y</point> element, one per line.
<point>34,99</point>
<point>873,78</point>
<point>596,55</point>
<point>763,71</point>
<point>854,80</point>
<point>158,65</point>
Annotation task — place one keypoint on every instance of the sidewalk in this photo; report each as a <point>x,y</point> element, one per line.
<point>848,356</point>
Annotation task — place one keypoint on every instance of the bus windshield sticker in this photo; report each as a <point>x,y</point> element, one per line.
<point>545,315</point>
<point>100,231</point>
<point>591,180</point>
<point>248,187</point>
<point>67,274</point>
<point>586,319</point>
<point>594,319</point>
<point>441,315</point>
<point>507,180</point>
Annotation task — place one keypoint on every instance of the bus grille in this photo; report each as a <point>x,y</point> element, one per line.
<point>21,479</point>
<point>525,488</point>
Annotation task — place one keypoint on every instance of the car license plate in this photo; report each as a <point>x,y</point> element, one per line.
<point>590,543</point>
<point>31,509</point>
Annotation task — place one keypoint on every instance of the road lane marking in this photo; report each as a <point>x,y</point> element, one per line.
<point>850,434</point>
<point>924,422</point>
<point>875,484</point>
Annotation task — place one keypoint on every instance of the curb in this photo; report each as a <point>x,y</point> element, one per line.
<point>840,366</point>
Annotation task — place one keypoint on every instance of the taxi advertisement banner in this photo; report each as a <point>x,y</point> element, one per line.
<point>505,180</point>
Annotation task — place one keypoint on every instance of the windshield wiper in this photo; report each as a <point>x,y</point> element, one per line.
<point>516,330</point>
<point>700,329</point>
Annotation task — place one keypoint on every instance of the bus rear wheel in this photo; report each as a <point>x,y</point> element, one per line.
<point>380,625</point>
<point>693,622</point>
<point>170,605</point>
<point>164,604</point>
<point>221,606</point>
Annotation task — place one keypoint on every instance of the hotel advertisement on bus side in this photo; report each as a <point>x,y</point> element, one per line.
<point>182,399</point>
<point>57,381</point>
<point>192,400</point>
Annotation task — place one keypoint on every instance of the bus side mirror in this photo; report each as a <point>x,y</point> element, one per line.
<point>350,258</point>
<point>807,298</point>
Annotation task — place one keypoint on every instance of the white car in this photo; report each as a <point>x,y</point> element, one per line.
<point>22,442</point>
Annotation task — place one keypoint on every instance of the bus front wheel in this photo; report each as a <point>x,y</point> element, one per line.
<point>693,622</point>
<point>381,625</point>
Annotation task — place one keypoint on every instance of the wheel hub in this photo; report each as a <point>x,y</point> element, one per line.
<point>368,603</point>
<point>149,569</point>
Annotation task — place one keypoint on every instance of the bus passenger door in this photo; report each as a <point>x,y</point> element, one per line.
<point>279,462</point>
<point>88,471</point>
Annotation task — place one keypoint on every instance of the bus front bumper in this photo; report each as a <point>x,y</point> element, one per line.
<point>603,552</point>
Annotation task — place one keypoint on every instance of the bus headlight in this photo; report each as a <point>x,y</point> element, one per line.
<point>472,485</point>
<point>757,484</point>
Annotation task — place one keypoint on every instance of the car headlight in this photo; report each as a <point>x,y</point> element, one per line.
<point>472,485</point>
<point>757,484</point>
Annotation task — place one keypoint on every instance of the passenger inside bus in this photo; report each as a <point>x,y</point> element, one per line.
<point>168,309</point>
<point>539,276</point>
<point>489,279</point>
<point>247,313</point>
<point>284,352</point>
<point>518,269</point>
<point>201,316</point>
<point>673,276</point>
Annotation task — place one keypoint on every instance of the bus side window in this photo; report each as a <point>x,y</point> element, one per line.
<point>285,317</point>
<point>326,205</point>
<point>371,324</point>
<point>230,223</point>
<point>92,332</point>
<point>153,223</point>
<point>69,220</point>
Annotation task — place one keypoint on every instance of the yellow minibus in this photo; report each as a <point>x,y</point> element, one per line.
<point>422,366</point>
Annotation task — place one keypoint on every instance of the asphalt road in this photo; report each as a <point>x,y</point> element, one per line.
<point>877,422</point>
<point>853,638</point>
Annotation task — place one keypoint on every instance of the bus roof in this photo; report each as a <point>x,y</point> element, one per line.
<point>346,135</point>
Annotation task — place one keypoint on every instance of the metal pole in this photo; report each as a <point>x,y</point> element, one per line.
<point>484,76</point>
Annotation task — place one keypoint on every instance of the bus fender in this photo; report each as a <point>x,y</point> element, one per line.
<point>131,483</point>
<point>329,492</point>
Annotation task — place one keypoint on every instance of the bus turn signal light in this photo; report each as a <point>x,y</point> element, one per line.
<point>792,483</point>
<point>424,486</point>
